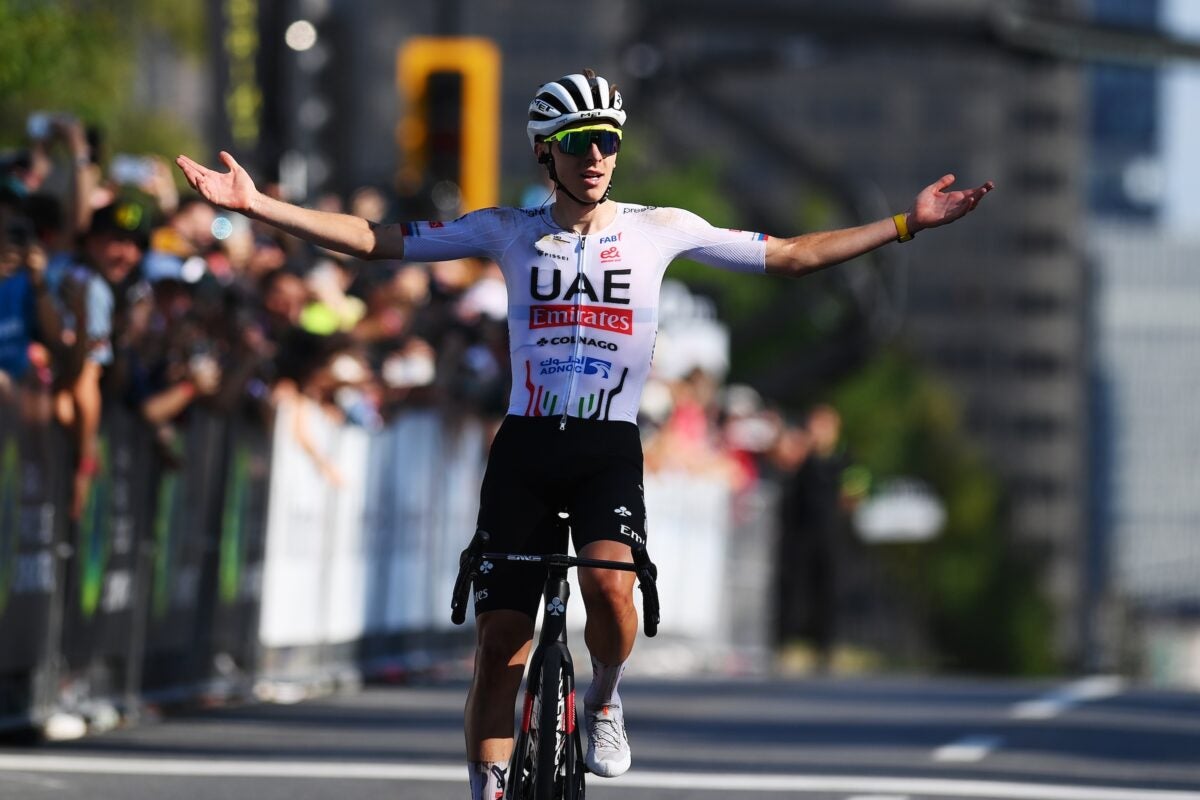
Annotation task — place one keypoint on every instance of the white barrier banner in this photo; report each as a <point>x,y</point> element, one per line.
<point>378,529</point>
<point>464,449</point>
<point>293,605</point>
<point>415,440</point>
<point>688,533</point>
<point>345,560</point>
<point>379,553</point>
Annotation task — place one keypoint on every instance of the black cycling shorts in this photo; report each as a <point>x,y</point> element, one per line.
<point>592,470</point>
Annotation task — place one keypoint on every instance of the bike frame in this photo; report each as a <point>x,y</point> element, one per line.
<point>551,663</point>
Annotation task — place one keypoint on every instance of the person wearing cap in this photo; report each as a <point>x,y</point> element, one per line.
<point>583,276</point>
<point>100,297</point>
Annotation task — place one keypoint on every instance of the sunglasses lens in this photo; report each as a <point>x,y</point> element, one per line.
<point>608,142</point>
<point>577,143</point>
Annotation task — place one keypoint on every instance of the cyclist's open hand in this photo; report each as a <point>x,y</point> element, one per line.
<point>234,190</point>
<point>935,206</point>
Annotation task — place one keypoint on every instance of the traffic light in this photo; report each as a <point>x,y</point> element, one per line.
<point>449,134</point>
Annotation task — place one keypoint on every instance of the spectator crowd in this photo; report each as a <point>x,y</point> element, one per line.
<point>117,289</point>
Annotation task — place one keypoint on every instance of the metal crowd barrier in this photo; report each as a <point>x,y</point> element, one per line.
<point>32,496</point>
<point>151,595</point>
<point>229,565</point>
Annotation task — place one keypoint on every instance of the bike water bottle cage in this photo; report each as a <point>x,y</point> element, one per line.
<point>578,141</point>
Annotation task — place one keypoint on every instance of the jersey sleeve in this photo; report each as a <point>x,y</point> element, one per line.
<point>483,233</point>
<point>690,236</point>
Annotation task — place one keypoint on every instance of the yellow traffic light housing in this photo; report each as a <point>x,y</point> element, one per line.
<point>450,129</point>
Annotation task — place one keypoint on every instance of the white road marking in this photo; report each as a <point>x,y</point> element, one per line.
<point>40,781</point>
<point>695,781</point>
<point>186,767</point>
<point>969,748</point>
<point>978,746</point>
<point>1051,705</point>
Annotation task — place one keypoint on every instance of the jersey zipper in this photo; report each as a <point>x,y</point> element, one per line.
<point>577,349</point>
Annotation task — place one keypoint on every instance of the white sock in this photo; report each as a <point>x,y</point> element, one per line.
<point>487,780</point>
<point>603,691</point>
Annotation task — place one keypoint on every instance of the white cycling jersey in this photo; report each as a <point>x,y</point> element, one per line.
<point>583,309</point>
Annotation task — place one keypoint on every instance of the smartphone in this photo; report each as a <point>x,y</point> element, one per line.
<point>135,170</point>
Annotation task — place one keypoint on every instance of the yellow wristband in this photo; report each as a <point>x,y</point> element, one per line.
<point>901,222</point>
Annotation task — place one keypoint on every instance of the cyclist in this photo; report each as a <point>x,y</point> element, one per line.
<point>583,276</point>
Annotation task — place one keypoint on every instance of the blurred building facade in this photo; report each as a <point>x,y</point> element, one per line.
<point>1124,168</point>
<point>1146,327</point>
<point>1148,330</point>
<point>998,304</point>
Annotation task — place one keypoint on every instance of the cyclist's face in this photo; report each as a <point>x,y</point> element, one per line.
<point>586,176</point>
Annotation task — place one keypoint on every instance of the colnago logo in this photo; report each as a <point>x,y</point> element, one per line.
<point>584,365</point>
<point>585,340</point>
<point>614,320</point>
<point>609,255</point>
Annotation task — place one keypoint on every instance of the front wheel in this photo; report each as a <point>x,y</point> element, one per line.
<point>576,782</point>
<point>545,763</point>
<point>558,776</point>
<point>523,766</point>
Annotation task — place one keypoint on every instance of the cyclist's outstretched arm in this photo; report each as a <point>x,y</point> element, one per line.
<point>809,252</point>
<point>345,233</point>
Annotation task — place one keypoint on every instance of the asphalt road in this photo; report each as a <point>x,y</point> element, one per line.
<point>819,739</point>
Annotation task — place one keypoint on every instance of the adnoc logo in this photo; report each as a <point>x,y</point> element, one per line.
<point>10,510</point>
<point>586,365</point>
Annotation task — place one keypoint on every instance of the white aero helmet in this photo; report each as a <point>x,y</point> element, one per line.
<point>571,99</point>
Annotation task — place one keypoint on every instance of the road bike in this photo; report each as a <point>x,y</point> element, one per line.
<point>547,761</point>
